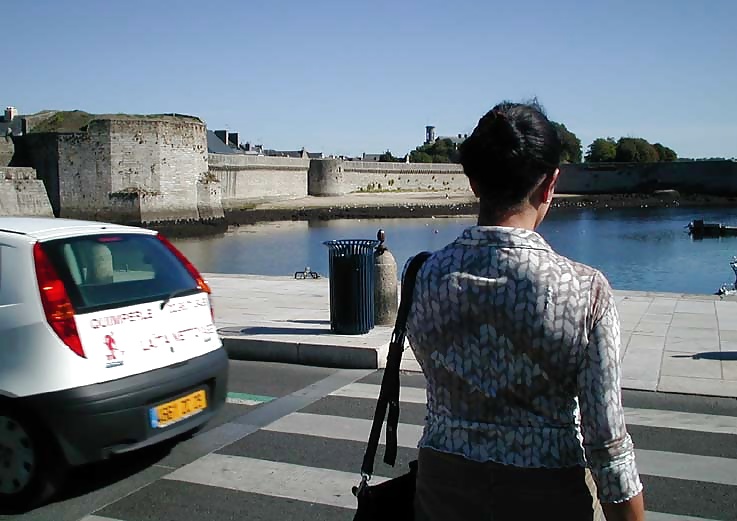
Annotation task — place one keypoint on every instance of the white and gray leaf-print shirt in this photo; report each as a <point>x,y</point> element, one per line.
<point>520,349</point>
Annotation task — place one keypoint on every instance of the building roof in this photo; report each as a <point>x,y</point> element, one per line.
<point>286,153</point>
<point>215,145</point>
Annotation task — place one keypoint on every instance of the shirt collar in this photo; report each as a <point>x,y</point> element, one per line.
<point>502,236</point>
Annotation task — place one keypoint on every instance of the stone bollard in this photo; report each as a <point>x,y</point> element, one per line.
<point>385,284</point>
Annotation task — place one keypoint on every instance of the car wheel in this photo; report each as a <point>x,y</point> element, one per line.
<point>28,473</point>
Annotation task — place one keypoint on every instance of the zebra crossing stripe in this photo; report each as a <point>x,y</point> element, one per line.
<point>296,482</point>
<point>649,462</point>
<point>681,420</point>
<point>660,516</point>
<point>247,399</point>
<point>285,480</point>
<point>711,423</point>
<point>708,469</point>
<point>371,392</point>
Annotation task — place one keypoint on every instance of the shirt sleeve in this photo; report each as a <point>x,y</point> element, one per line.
<point>607,444</point>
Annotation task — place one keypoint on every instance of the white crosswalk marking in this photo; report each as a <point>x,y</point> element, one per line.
<point>340,428</point>
<point>309,484</point>
<point>645,417</point>
<point>681,420</point>
<point>659,516</point>
<point>654,463</point>
<point>306,477</point>
<point>371,392</point>
<point>324,486</point>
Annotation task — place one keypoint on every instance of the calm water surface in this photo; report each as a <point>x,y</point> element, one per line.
<point>642,249</point>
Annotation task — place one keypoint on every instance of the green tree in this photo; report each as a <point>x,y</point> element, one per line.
<point>647,152</point>
<point>439,151</point>
<point>387,157</point>
<point>627,151</point>
<point>571,144</point>
<point>602,151</point>
<point>635,150</point>
<point>665,153</point>
<point>419,156</point>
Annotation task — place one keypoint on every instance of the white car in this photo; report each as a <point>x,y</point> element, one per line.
<point>107,344</point>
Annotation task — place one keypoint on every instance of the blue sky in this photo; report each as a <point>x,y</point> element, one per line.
<point>350,76</point>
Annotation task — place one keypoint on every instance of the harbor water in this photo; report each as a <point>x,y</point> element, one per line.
<point>642,249</point>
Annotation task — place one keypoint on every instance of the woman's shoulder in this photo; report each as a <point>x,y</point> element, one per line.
<point>579,268</point>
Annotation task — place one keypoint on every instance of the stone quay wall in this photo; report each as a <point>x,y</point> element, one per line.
<point>22,194</point>
<point>245,179</point>
<point>688,177</point>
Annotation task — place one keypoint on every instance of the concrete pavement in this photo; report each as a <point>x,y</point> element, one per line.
<point>671,342</point>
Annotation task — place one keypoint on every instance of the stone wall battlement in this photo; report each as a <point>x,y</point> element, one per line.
<point>243,160</point>
<point>17,173</point>
<point>401,168</point>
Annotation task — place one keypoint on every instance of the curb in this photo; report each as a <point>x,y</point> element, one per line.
<point>323,355</point>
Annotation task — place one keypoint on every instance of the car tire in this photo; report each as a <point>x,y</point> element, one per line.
<point>30,469</point>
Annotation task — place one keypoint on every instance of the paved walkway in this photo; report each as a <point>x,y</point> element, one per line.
<point>671,342</point>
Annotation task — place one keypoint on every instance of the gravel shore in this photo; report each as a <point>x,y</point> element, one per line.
<point>427,204</point>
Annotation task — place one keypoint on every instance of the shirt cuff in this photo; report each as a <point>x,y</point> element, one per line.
<point>619,480</point>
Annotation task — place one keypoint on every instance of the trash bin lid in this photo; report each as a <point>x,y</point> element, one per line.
<point>352,246</point>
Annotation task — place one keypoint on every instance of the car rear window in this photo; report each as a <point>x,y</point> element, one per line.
<point>116,270</point>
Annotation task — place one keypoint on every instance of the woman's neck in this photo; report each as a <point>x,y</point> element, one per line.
<point>521,217</point>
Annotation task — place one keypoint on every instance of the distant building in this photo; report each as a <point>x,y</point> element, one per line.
<point>429,134</point>
<point>224,142</point>
<point>371,157</point>
<point>431,137</point>
<point>303,154</point>
<point>254,150</point>
<point>457,139</point>
<point>11,123</point>
<point>217,145</point>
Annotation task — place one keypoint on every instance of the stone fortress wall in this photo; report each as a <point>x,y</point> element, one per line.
<point>137,170</point>
<point>156,169</point>
<point>338,177</point>
<point>127,169</point>
<point>245,178</point>
<point>22,194</point>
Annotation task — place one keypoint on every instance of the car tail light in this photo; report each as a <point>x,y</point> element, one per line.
<point>55,300</point>
<point>191,269</point>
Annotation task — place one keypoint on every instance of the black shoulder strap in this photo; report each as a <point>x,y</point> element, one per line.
<point>389,394</point>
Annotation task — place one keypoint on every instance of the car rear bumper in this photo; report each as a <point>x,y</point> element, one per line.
<point>94,422</point>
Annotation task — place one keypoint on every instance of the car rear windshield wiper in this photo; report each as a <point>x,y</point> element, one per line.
<point>177,293</point>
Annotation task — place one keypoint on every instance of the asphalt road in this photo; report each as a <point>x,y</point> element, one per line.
<point>290,443</point>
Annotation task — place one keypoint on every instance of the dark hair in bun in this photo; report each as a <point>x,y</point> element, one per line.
<point>511,149</point>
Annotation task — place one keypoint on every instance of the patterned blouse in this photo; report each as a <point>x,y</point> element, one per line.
<point>520,349</point>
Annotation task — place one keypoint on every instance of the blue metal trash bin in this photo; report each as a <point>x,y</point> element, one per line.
<point>351,285</point>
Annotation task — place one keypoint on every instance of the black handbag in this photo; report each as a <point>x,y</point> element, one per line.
<point>392,499</point>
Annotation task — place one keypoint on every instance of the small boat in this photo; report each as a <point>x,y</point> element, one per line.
<point>699,229</point>
<point>728,290</point>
